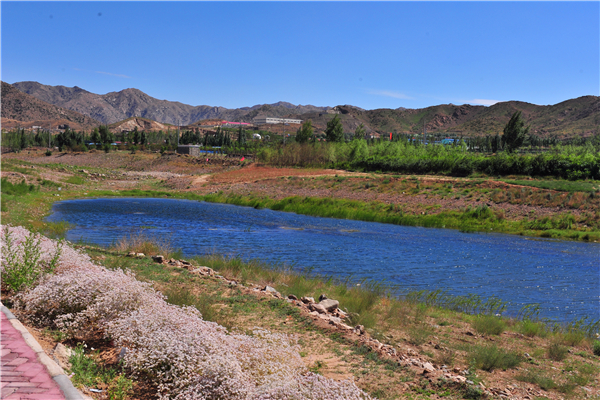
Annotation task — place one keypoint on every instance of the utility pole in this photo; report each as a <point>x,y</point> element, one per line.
<point>424,133</point>
<point>49,136</point>
<point>178,122</point>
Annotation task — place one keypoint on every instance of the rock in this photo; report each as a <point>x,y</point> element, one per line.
<point>335,320</point>
<point>330,304</point>
<point>292,297</point>
<point>317,307</point>
<point>158,259</point>
<point>269,289</point>
<point>62,355</point>
<point>359,330</point>
<point>307,300</point>
<point>122,353</point>
<point>140,255</point>
<point>131,254</point>
<point>428,367</point>
<point>322,297</point>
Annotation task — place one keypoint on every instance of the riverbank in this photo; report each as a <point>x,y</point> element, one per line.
<point>390,347</point>
<point>551,209</point>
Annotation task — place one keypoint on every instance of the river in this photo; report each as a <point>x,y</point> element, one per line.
<point>563,277</point>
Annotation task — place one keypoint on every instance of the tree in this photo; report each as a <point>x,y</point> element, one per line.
<point>241,137</point>
<point>106,136</point>
<point>136,136</point>
<point>360,132</point>
<point>515,133</point>
<point>334,131</point>
<point>95,137</point>
<point>305,132</point>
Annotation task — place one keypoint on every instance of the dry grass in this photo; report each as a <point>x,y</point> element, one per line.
<point>141,242</point>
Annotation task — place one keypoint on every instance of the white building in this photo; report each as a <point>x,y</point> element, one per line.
<point>271,120</point>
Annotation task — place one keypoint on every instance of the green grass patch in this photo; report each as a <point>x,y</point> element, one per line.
<point>558,185</point>
<point>87,372</point>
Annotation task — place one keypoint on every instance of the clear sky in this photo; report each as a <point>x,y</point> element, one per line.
<point>368,54</point>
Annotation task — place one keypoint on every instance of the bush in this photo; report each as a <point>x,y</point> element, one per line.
<point>489,358</point>
<point>488,325</point>
<point>531,329</point>
<point>16,189</point>
<point>556,351</point>
<point>26,257</point>
<point>597,347</point>
<point>48,153</point>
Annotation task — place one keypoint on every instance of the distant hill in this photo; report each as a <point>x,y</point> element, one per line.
<point>23,111</point>
<point>117,106</point>
<point>580,116</point>
<point>573,117</point>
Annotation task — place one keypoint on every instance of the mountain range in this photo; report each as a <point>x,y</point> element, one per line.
<point>574,117</point>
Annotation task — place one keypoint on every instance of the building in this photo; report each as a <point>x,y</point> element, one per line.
<point>190,149</point>
<point>271,120</point>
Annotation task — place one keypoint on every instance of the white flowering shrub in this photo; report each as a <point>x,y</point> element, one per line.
<point>186,356</point>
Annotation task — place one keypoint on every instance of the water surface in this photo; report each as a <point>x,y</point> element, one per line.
<point>564,277</point>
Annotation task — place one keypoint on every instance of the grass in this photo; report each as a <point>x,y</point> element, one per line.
<point>558,185</point>
<point>556,351</point>
<point>544,382</point>
<point>491,357</point>
<point>87,372</point>
<point>488,325</point>
<point>142,242</point>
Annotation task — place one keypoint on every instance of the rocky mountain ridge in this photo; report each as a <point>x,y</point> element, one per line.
<point>117,106</point>
<point>574,117</point>
<point>20,110</point>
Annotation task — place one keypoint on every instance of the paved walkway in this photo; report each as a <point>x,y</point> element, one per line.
<point>22,376</point>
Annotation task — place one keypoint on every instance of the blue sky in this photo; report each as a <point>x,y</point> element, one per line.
<point>368,54</point>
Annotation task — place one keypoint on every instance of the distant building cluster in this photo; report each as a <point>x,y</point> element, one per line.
<point>271,120</point>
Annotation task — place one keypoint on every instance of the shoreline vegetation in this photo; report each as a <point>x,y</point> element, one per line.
<point>522,356</point>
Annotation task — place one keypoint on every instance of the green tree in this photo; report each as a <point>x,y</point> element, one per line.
<point>106,136</point>
<point>136,136</point>
<point>95,137</point>
<point>334,131</point>
<point>241,137</point>
<point>360,132</point>
<point>515,133</point>
<point>305,132</point>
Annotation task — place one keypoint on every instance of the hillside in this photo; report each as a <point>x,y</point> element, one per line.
<point>142,124</point>
<point>580,116</point>
<point>117,106</point>
<point>23,111</point>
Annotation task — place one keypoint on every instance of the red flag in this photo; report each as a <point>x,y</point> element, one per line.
<point>390,136</point>
<point>242,159</point>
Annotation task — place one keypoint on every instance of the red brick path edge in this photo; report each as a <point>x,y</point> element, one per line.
<point>27,372</point>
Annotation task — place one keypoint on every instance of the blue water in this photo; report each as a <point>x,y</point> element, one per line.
<point>563,277</point>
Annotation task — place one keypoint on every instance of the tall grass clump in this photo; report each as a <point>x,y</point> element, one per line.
<point>141,242</point>
<point>490,357</point>
<point>183,354</point>
<point>488,324</point>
